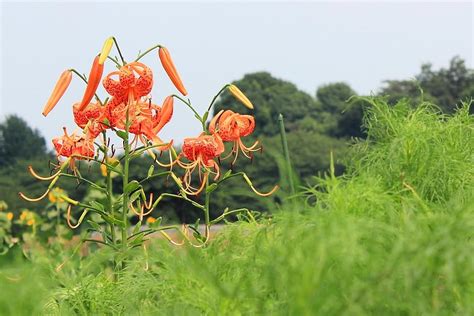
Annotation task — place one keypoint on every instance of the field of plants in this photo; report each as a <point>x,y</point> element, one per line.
<point>394,235</point>
<point>385,227</point>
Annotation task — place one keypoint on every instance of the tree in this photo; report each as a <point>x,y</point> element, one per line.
<point>19,141</point>
<point>444,87</point>
<point>340,118</point>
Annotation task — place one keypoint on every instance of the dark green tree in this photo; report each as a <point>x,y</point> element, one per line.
<point>445,87</point>
<point>19,141</point>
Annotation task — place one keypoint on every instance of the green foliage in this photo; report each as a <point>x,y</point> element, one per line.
<point>418,148</point>
<point>19,141</point>
<point>368,245</point>
<point>445,86</point>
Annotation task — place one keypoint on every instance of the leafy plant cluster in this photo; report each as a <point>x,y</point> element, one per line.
<point>392,236</point>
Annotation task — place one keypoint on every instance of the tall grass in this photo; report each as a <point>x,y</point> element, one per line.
<point>394,236</point>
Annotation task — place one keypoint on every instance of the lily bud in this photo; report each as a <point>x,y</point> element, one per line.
<point>94,79</point>
<point>58,91</point>
<point>239,95</point>
<point>170,69</point>
<point>106,49</point>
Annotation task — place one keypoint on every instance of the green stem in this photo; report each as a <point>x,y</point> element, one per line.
<point>216,96</point>
<point>207,200</point>
<point>284,144</point>
<point>126,147</point>
<point>109,190</point>
<point>119,51</point>
<point>199,117</point>
<point>116,62</point>
<point>147,51</point>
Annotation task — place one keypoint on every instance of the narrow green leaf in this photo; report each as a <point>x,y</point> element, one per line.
<point>211,188</point>
<point>94,225</point>
<point>132,186</point>
<point>150,171</point>
<point>122,134</point>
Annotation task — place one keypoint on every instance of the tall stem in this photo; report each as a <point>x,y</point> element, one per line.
<point>207,199</point>
<point>109,190</point>
<point>126,147</point>
<point>286,152</point>
<point>119,51</point>
<point>110,204</point>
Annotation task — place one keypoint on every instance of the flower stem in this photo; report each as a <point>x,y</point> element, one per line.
<point>216,96</point>
<point>147,51</point>
<point>126,146</point>
<point>284,144</point>
<point>207,200</point>
<point>119,51</point>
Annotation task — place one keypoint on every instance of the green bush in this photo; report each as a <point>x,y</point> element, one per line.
<point>393,236</point>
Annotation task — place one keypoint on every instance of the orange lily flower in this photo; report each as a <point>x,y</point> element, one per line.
<point>90,119</point>
<point>146,118</point>
<point>231,127</point>
<point>201,152</point>
<point>135,80</point>
<point>74,146</point>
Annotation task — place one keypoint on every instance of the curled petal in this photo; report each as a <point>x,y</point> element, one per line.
<point>81,218</point>
<point>24,197</point>
<point>255,190</point>
<point>171,240</point>
<point>166,114</point>
<point>35,175</point>
<point>215,119</point>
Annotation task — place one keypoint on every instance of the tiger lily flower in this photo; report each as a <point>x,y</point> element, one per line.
<point>74,146</point>
<point>134,80</point>
<point>146,119</point>
<point>90,119</point>
<point>129,87</point>
<point>231,127</point>
<point>201,152</point>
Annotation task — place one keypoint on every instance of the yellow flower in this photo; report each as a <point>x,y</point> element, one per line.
<point>111,161</point>
<point>10,216</point>
<point>54,195</point>
<point>3,206</point>
<point>30,222</point>
<point>103,170</point>
<point>23,215</point>
<point>150,220</point>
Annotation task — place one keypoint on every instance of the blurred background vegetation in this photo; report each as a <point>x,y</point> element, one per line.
<point>316,125</point>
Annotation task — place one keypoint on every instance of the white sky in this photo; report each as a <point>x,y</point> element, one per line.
<point>213,43</point>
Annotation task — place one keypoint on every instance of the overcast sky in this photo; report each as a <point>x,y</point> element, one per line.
<point>215,43</point>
